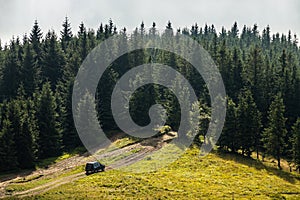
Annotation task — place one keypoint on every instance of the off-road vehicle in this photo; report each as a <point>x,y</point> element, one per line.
<point>93,167</point>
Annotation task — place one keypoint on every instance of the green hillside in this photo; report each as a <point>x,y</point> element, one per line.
<point>216,176</point>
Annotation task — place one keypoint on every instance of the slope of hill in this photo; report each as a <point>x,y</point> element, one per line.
<point>216,176</point>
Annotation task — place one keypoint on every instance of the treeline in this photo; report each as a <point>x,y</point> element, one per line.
<point>260,72</point>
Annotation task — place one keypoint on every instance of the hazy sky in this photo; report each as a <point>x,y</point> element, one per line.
<point>17,16</point>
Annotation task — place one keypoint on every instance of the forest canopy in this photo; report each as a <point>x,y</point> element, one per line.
<point>260,71</point>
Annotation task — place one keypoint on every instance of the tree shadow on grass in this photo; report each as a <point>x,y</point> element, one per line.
<point>257,164</point>
<point>10,175</point>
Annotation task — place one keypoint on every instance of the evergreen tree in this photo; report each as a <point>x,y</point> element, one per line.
<point>248,123</point>
<point>237,70</point>
<point>253,74</point>
<point>29,71</point>
<point>8,158</point>
<point>266,38</point>
<point>200,124</point>
<point>70,136</point>
<point>229,136</point>
<point>53,60</point>
<point>66,34</point>
<point>274,133</point>
<point>23,135</point>
<point>296,143</point>
<point>83,41</point>
<point>100,33</point>
<point>35,39</point>
<point>49,138</point>
<point>89,125</point>
<point>11,73</point>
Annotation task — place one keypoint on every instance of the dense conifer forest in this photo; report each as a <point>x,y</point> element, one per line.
<point>260,71</point>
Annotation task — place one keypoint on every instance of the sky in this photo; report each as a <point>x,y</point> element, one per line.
<point>18,16</point>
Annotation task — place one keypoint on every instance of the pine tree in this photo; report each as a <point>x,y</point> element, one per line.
<point>49,138</point>
<point>89,124</point>
<point>35,39</point>
<point>266,38</point>
<point>274,133</point>
<point>224,63</point>
<point>248,123</point>
<point>253,74</point>
<point>100,33</point>
<point>66,34</point>
<point>29,71</point>
<point>296,143</point>
<point>53,60</point>
<point>11,73</point>
<point>91,39</point>
<point>70,138</point>
<point>23,134</point>
<point>199,125</point>
<point>8,158</point>
<point>229,136</point>
<point>83,41</point>
<point>233,34</point>
<point>237,70</point>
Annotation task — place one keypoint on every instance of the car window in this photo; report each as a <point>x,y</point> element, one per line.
<point>88,166</point>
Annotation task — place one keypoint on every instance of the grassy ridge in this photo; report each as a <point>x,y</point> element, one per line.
<point>216,176</point>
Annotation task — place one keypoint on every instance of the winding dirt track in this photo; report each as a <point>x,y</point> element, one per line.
<point>144,148</point>
<point>52,171</point>
<point>49,186</point>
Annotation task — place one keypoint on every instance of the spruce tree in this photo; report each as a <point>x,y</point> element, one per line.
<point>35,39</point>
<point>100,33</point>
<point>29,71</point>
<point>296,143</point>
<point>83,41</point>
<point>66,34</point>
<point>274,133</point>
<point>253,74</point>
<point>49,138</point>
<point>229,135</point>
<point>23,135</point>
<point>248,123</point>
<point>53,60</point>
<point>8,158</point>
<point>11,73</point>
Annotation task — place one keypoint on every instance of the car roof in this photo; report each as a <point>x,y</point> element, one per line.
<point>92,162</point>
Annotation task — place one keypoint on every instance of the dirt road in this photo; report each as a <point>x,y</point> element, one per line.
<point>140,149</point>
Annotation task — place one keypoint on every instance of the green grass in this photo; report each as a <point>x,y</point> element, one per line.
<point>36,180</point>
<point>119,143</point>
<point>126,141</point>
<point>46,162</point>
<point>216,176</point>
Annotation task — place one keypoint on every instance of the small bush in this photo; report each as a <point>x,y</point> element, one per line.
<point>164,129</point>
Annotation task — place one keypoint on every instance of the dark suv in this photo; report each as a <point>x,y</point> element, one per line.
<point>93,167</point>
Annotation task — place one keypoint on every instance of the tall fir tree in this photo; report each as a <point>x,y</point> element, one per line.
<point>8,158</point>
<point>296,143</point>
<point>66,34</point>
<point>248,123</point>
<point>29,71</point>
<point>35,39</point>
<point>274,133</point>
<point>83,41</point>
<point>53,61</point>
<point>11,73</point>
<point>49,138</point>
<point>229,136</point>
